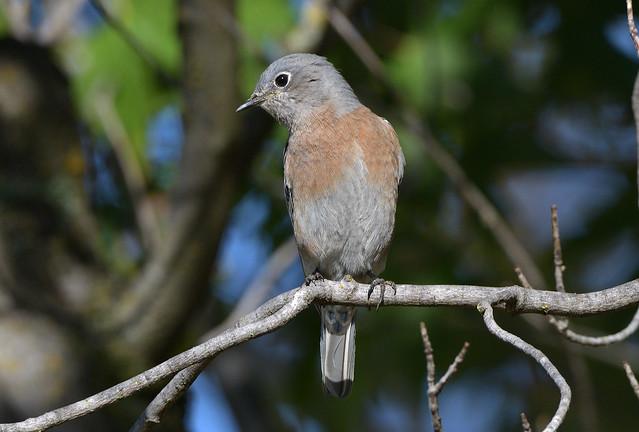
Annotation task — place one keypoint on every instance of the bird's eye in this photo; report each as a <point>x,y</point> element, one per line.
<point>282,79</point>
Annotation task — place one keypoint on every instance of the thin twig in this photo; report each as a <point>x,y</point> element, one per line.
<point>632,378</point>
<point>345,28</point>
<point>561,324</point>
<point>522,278</point>
<point>486,310</point>
<point>430,379</point>
<point>557,258</point>
<point>634,34</point>
<point>170,393</point>
<point>434,388</point>
<point>452,368</point>
<point>525,424</point>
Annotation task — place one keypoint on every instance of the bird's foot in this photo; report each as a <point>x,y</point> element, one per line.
<point>313,277</point>
<point>382,284</point>
<point>348,278</point>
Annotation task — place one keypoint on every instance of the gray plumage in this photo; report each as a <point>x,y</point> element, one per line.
<point>342,167</point>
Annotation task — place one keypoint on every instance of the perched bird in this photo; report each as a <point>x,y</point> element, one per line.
<point>342,168</point>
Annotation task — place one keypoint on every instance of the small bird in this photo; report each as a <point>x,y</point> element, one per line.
<point>342,168</point>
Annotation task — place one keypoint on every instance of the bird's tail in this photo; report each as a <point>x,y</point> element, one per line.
<point>337,349</point>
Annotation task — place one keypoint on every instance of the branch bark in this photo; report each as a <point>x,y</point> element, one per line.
<point>283,308</point>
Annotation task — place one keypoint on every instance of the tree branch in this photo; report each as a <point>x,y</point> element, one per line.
<point>280,310</point>
<point>525,424</point>
<point>486,310</point>
<point>435,388</point>
<point>632,378</point>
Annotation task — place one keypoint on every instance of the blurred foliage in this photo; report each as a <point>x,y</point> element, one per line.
<point>532,97</point>
<point>102,62</point>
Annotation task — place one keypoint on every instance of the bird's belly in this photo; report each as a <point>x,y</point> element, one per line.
<point>346,231</point>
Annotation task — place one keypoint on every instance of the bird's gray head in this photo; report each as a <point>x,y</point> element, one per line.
<point>296,85</point>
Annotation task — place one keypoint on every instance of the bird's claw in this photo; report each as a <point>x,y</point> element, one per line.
<point>313,277</point>
<point>383,284</point>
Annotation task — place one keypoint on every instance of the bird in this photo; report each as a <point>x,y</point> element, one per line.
<point>342,169</point>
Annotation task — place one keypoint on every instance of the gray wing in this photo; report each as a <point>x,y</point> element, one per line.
<point>288,188</point>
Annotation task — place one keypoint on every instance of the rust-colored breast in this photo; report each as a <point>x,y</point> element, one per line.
<point>321,152</point>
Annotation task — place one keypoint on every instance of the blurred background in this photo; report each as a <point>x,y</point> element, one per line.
<point>138,211</point>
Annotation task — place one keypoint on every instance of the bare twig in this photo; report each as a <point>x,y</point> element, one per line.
<point>430,379</point>
<point>283,308</point>
<point>632,378</point>
<point>525,424</point>
<point>486,310</point>
<point>561,324</point>
<point>434,388</point>
<point>557,258</point>
<point>522,278</point>
<point>634,34</point>
<point>452,368</point>
<point>345,28</point>
<point>170,393</point>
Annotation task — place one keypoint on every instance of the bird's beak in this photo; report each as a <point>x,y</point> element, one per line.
<point>251,102</point>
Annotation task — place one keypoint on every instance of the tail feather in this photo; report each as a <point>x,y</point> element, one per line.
<point>337,349</point>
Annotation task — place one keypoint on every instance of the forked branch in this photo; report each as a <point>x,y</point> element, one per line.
<point>434,388</point>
